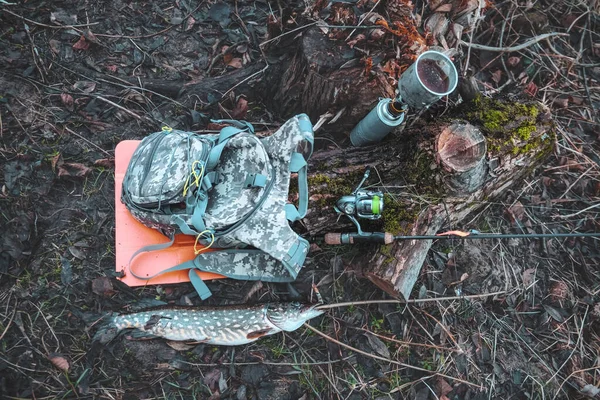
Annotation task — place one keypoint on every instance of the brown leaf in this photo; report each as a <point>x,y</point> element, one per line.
<point>73,169</point>
<point>105,162</point>
<point>513,61</point>
<point>90,37</point>
<point>59,362</point>
<point>241,109</point>
<point>55,46</point>
<point>102,286</point>
<point>531,89</point>
<point>235,62</point>
<point>516,212</point>
<point>561,102</point>
<point>528,276</point>
<point>180,346</point>
<point>559,291</point>
<point>67,99</point>
<point>576,100</point>
<point>212,378</point>
<point>81,44</point>
<point>496,76</point>
<point>443,387</point>
<point>56,161</point>
<point>314,248</point>
<point>190,23</point>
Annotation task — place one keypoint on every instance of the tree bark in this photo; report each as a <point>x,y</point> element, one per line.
<point>432,175</point>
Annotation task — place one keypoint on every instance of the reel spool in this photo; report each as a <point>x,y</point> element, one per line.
<point>361,204</point>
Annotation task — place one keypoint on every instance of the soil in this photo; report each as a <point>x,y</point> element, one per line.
<point>71,89</point>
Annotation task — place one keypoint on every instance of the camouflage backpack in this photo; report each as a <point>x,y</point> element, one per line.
<point>230,191</point>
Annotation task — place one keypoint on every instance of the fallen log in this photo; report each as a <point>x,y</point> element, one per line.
<point>432,175</point>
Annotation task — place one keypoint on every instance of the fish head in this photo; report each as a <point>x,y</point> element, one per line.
<point>291,316</point>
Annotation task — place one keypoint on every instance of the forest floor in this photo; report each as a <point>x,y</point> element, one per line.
<point>69,94</point>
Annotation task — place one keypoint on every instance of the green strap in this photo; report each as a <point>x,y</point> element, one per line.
<point>244,125</point>
<point>152,247</point>
<point>201,288</point>
<point>298,164</point>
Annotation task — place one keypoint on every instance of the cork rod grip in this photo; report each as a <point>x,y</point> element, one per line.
<point>333,238</point>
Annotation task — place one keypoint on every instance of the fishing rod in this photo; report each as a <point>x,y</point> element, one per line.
<point>369,205</point>
<point>388,238</point>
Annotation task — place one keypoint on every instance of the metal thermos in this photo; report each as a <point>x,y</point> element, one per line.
<point>376,125</point>
<point>412,92</point>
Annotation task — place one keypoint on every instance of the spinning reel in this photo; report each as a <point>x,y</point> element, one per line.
<point>361,204</point>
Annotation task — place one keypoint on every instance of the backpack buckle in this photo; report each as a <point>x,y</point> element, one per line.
<point>255,180</point>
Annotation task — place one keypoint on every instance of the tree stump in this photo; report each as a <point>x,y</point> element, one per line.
<point>461,149</point>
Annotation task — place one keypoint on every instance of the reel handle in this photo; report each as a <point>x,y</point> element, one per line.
<point>356,238</point>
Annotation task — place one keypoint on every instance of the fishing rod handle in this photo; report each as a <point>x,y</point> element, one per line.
<point>355,238</point>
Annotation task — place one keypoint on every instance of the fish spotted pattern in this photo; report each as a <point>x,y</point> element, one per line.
<point>230,325</point>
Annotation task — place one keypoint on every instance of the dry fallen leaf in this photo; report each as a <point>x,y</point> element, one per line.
<point>105,162</point>
<point>56,161</point>
<point>67,100</point>
<point>561,102</point>
<point>443,387</point>
<point>55,46</point>
<point>528,276</point>
<point>559,291</point>
<point>241,109</point>
<point>190,23</point>
<point>180,346</point>
<point>81,44</point>
<point>59,361</point>
<point>516,212</point>
<point>513,61</point>
<point>496,76</point>
<point>212,378</point>
<point>235,62</point>
<point>102,286</point>
<point>378,346</point>
<point>73,169</point>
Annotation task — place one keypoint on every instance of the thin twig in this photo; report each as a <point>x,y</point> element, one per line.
<point>363,302</point>
<point>286,364</point>
<point>513,48</point>
<point>364,353</point>
<point>119,107</point>
<point>245,80</point>
<point>430,346</point>
<point>9,321</point>
<point>51,26</point>
<point>87,141</point>
<point>363,18</point>
<point>287,33</point>
<point>579,337</point>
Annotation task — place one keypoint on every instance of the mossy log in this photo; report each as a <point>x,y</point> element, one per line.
<point>432,175</point>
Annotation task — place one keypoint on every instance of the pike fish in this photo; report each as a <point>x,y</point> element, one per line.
<point>227,326</point>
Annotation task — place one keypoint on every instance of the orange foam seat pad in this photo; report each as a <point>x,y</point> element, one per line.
<point>131,235</point>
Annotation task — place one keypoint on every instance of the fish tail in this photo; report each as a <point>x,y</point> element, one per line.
<point>106,330</point>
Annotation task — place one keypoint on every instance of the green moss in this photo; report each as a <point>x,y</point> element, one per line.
<point>396,218</point>
<point>332,188</point>
<point>509,127</point>
<point>386,250</point>
<point>524,132</point>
